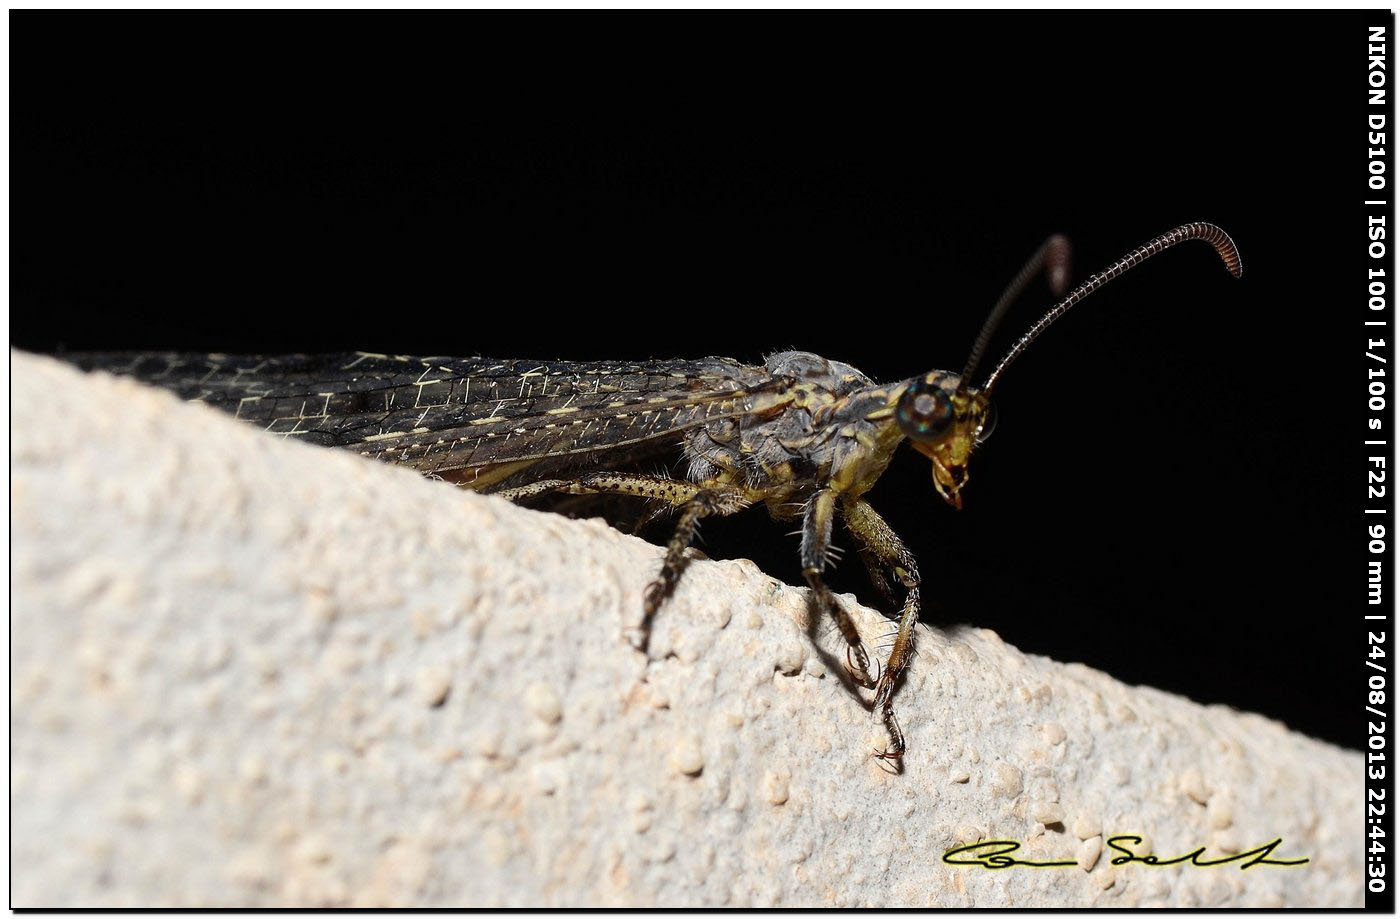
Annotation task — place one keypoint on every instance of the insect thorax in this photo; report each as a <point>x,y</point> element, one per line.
<point>795,440</point>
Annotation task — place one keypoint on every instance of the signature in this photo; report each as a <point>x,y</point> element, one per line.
<point>995,854</point>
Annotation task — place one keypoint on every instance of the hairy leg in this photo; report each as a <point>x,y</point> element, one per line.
<point>884,545</point>
<point>695,501</point>
<point>816,544</point>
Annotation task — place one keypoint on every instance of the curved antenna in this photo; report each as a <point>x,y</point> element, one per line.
<point>1209,232</point>
<point>1053,257</point>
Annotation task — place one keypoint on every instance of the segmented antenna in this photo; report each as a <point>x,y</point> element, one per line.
<point>1208,232</point>
<point>1053,257</point>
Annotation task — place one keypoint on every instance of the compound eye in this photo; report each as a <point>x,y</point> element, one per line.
<point>989,424</point>
<point>924,412</point>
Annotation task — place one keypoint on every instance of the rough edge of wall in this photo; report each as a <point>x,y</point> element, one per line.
<point>248,672</point>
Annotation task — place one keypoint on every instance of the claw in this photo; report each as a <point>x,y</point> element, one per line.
<point>860,667</point>
<point>637,637</point>
<point>895,751</point>
<point>884,693</point>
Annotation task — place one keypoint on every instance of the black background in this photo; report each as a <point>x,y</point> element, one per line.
<point>1172,493</point>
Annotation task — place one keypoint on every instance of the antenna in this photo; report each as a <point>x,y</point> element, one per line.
<point>1208,232</point>
<point>1053,257</point>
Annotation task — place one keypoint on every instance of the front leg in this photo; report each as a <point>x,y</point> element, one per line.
<point>696,501</point>
<point>875,535</point>
<point>816,544</point>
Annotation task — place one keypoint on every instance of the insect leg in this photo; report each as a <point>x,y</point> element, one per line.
<point>875,567</point>
<point>705,502</point>
<point>674,492</point>
<point>874,534</point>
<point>696,501</point>
<point>816,543</point>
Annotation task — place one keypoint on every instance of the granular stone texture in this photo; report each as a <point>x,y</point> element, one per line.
<point>250,672</point>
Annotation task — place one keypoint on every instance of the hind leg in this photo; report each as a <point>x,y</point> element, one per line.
<point>696,501</point>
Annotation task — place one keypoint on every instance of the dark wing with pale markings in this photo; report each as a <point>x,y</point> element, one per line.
<point>441,414</point>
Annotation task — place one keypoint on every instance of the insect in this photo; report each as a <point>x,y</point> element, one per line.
<point>806,436</point>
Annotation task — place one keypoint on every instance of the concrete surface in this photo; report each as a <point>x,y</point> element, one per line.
<point>248,672</point>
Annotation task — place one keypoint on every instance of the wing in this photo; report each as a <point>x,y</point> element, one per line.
<point>460,415</point>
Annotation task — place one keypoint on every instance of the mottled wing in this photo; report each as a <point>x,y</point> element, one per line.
<point>475,418</point>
